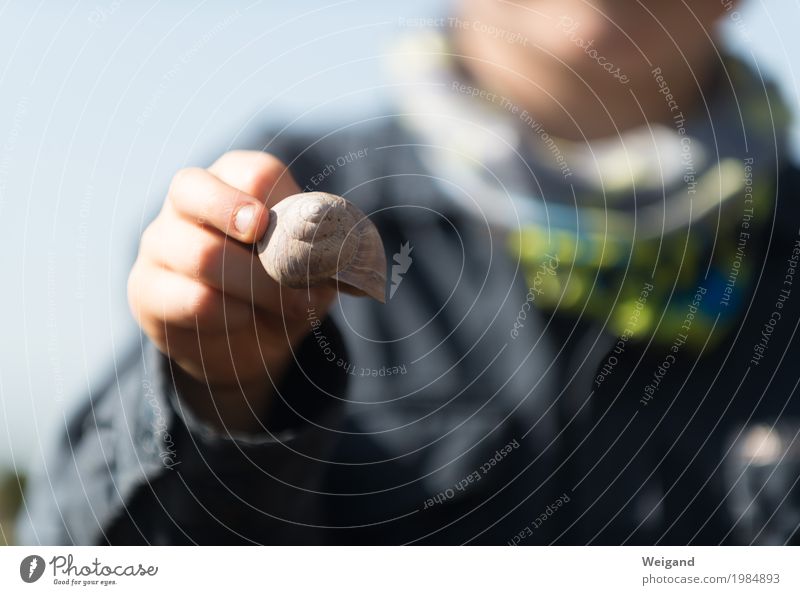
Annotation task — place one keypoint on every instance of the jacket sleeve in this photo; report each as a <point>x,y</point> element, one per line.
<point>134,466</point>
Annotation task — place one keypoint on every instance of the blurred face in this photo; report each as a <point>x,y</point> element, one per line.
<point>541,51</point>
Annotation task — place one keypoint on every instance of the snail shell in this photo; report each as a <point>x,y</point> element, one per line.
<point>314,237</point>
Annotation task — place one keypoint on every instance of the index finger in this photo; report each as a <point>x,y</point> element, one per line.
<point>202,198</point>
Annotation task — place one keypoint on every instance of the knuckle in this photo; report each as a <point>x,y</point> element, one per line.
<point>257,170</point>
<point>148,239</point>
<point>270,164</point>
<point>205,302</point>
<point>272,169</point>
<point>182,178</point>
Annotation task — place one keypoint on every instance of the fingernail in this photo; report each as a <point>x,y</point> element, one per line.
<point>244,219</point>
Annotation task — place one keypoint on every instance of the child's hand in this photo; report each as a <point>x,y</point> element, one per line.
<point>199,292</point>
